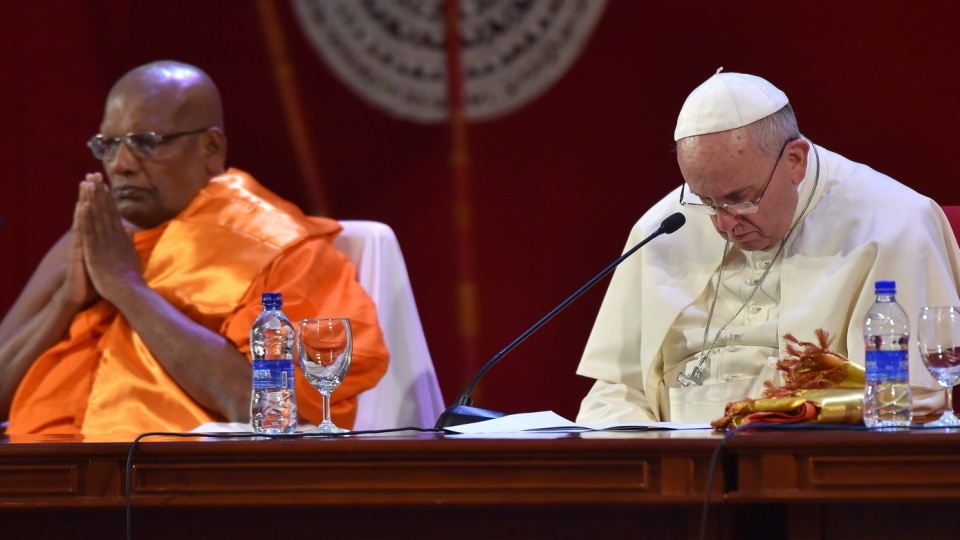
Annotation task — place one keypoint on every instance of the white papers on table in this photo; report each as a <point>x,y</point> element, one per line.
<point>549,421</point>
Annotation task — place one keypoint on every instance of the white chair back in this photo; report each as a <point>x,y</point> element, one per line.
<point>409,394</point>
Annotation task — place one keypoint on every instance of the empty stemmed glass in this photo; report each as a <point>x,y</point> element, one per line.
<point>939,340</point>
<point>325,348</point>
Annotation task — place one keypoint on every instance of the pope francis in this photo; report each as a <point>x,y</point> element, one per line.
<point>783,237</point>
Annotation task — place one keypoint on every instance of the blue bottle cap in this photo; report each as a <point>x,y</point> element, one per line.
<point>886,287</point>
<point>272,298</point>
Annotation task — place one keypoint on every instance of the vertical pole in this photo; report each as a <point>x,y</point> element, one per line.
<point>467,309</point>
<point>300,138</point>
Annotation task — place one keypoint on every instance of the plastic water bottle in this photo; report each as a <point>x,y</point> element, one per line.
<point>273,406</point>
<point>887,400</point>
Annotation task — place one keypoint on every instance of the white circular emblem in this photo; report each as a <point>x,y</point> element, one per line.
<point>392,52</point>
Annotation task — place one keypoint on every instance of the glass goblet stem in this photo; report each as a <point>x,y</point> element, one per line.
<point>326,408</point>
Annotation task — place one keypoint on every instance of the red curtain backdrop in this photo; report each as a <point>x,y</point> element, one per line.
<point>556,185</point>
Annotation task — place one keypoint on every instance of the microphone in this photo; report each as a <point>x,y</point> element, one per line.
<point>462,411</point>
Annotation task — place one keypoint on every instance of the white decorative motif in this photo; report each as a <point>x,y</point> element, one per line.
<point>392,52</point>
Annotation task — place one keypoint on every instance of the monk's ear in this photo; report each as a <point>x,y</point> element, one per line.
<point>214,147</point>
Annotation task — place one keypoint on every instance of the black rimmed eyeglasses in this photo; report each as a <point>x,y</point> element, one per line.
<point>141,144</point>
<point>745,207</point>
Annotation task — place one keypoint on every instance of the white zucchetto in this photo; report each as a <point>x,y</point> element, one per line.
<point>727,101</point>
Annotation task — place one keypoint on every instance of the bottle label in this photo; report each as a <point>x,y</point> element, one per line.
<point>884,366</point>
<point>273,374</point>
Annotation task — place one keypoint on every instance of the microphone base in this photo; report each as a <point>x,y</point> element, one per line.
<point>457,415</point>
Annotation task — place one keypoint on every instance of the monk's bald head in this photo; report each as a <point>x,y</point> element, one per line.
<point>185,93</point>
<point>153,181</point>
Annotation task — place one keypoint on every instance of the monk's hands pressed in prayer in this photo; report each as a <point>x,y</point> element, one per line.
<point>111,262</point>
<point>79,292</point>
<point>95,260</point>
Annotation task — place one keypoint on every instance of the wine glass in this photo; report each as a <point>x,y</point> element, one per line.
<point>325,347</point>
<point>939,340</point>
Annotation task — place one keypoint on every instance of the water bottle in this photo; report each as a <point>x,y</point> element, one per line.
<point>273,406</point>
<point>887,400</point>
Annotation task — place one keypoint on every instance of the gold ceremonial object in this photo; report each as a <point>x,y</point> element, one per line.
<point>820,387</point>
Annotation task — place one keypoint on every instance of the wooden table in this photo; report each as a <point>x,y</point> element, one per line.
<point>767,484</point>
<point>848,484</point>
<point>413,486</point>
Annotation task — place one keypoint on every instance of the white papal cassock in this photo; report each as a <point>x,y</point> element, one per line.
<point>861,226</point>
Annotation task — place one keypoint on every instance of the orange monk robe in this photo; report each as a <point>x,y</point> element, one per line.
<point>233,242</point>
